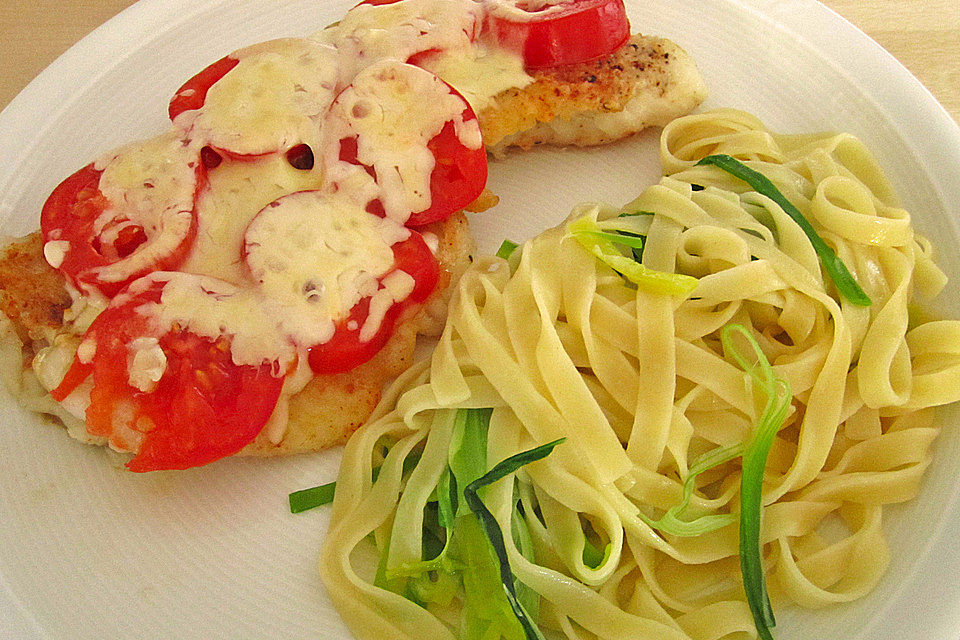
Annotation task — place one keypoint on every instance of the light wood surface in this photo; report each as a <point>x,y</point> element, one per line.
<point>923,34</point>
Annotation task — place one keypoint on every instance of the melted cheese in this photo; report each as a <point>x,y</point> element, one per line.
<point>211,308</point>
<point>311,257</point>
<point>150,185</point>
<point>237,193</point>
<point>368,34</point>
<point>525,10</point>
<point>397,286</point>
<point>384,110</point>
<point>55,251</point>
<point>146,363</point>
<point>51,363</point>
<point>315,257</point>
<point>273,99</point>
<point>479,72</point>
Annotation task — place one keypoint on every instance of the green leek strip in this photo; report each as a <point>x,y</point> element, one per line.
<point>447,499</point>
<point>468,451</point>
<point>771,420</point>
<point>631,240</point>
<point>492,528</point>
<point>306,499</point>
<point>836,269</point>
<point>522,539</point>
<point>588,234</point>
<point>671,522</point>
<point>506,249</point>
<point>594,557</point>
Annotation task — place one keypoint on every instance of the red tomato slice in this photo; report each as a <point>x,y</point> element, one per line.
<point>459,174</point>
<point>203,408</point>
<point>72,214</point>
<point>345,351</point>
<point>193,93</point>
<point>565,33</point>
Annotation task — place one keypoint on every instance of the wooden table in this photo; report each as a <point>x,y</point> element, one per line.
<point>923,34</point>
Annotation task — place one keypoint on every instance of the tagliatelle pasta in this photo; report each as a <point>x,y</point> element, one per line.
<point>561,346</point>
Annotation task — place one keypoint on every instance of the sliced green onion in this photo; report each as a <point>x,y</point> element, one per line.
<point>771,420</point>
<point>307,499</point>
<point>836,269</point>
<point>671,522</point>
<point>506,249</point>
<point>492,528</point>
<point>586,231</point>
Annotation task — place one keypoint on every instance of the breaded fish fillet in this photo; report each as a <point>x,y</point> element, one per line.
<point>327,410</point>
<point>647,82</point>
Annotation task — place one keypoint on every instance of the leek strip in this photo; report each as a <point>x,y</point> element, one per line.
<point>306,499</point>
<point>492,528</point>
<point>585,231</point>
<point>846,284</point>
<point>771,420</point>
<point>671,522</point>
<point>506,249</point>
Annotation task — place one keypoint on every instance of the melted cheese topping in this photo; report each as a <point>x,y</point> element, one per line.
<point>316,256</point>
<point>211,308</point>
<point>55,251</point>
<point>384,110</point>
<point>271,100</point>
<point>479,72</point>
<point>397,286</point>
<point>237,193</point>
<point>150,185</point>
<point>368,34</point>
<point>526,10</point>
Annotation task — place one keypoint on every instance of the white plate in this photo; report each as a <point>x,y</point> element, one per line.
<point>88,550</point>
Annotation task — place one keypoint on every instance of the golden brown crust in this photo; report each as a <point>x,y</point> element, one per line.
<point>32,293</point>
<point>647,66</point>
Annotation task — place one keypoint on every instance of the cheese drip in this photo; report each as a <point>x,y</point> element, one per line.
<point>384,110</point>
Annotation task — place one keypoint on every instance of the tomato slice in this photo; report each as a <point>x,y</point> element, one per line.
<point>99,245</point>
<point>193,93</point>
<point>558,34</point>
<point>346,350</point>
<point>459,172</point>
<point>202,407</point>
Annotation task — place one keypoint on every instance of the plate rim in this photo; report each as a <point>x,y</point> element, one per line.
<point>898,95</point>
